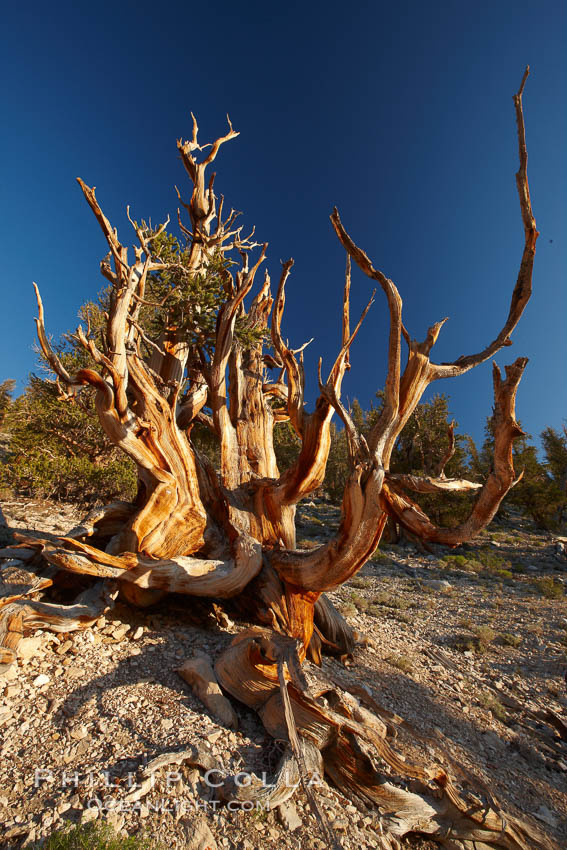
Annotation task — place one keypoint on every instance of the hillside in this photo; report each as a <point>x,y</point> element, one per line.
<point>468,646</point>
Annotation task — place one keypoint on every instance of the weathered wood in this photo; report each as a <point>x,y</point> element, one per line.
<point>231,533</point>
<point>426,484</point>
<point>193,576</point>
<point>354,742</point>
<point>199,674</point>
<point>22,615</point>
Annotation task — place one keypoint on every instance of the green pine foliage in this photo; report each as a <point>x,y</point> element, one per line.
<point>187,301</point>
<point>541,492</point>
<point>6,391</point>
<point>287,445</point>
<point>56,449</point>
<point>419,450</point>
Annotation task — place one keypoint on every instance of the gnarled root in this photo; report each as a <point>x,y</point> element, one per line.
<point>281,786</point>
<point>185,574</point>
<point>357,754</point>
<point>332,634</point>
<point>23,614</point>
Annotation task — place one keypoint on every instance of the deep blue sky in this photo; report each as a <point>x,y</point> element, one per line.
<point>401,114</point>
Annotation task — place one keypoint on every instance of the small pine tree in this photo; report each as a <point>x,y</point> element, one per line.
<point>6,391</point>
<point>59,451</point>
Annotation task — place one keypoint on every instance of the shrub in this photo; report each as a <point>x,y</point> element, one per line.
<point>455,560</point>
<point>478,642</point>
<point>360,581</point>
<point>401,662</point>
<point>489,701</point>
<point>508,639</point>
<point>549,587</point>
<point>485,635</point>
<point>359,601</point>
<point>95,836</point>
<point>390,601</point>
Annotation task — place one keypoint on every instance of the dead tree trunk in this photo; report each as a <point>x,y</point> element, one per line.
<point>231,533</point>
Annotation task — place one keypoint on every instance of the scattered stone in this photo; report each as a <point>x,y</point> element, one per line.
<point>213,737</point>
<point>438,584</point>
<point>199,836</point>
<point>340,824</point>
<point>41,680</point>
<point>288,817</point>
<point>115,820</point>
<point>30,647</point>
<point>18,554</point>
<point>89,814</point>
<point>546,816</point>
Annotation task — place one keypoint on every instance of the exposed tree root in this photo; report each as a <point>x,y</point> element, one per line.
<point>358,757</point>
<point>184,574</point>
<point>328,729</point>
<point>24,615</point>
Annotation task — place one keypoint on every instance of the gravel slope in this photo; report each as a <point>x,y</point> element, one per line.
<point>469,646</point>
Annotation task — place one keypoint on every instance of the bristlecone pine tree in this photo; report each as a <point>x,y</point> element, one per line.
<point>230,534</point>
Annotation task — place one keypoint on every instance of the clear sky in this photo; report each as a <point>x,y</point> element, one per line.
<point>400,114</point>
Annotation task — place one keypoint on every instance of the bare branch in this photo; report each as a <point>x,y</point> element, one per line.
<point>339,367</point>
<point>232,134</point>
<point>83,376</point>
<point>48,352</point>
<point>380,433</point>
<point>293,371</point>
<point>143,336</point>
<point>523,288</point>
<point>357,445</point>
<point>118,251</point>
<point>425,484</point>
<point>346,309</point>
<point>496,486</point>
<point>279,390</point>
<point>192,405</point>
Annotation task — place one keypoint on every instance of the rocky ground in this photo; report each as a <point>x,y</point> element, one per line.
<point>468,645</point>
